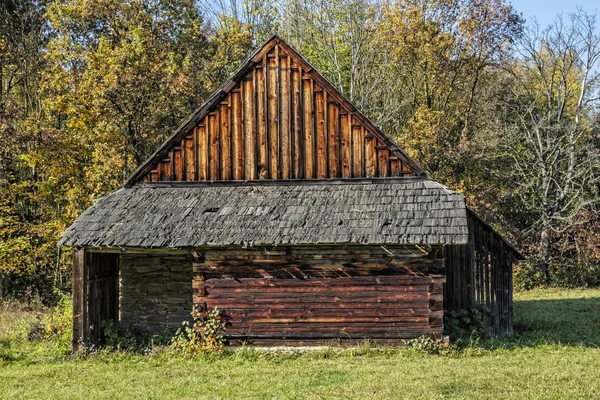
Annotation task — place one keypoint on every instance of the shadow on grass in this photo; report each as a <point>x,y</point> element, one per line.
<point>567,321</point>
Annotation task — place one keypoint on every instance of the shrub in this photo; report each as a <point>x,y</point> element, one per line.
<point>463,325</point>
<point>427,345</point>
<point>57,326</point>
<point>115,339</point>
<point>205,335</point>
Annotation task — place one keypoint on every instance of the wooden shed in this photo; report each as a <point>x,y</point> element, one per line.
<point>283,205</point>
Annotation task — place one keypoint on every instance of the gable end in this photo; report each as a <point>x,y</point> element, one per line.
<point>277,118</point>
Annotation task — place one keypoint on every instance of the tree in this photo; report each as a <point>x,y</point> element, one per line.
<point>24,230</point>
<point>443,55</point>
<point>548,128</point>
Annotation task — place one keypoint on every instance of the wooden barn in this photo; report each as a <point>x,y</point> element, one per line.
<point>281,204</point>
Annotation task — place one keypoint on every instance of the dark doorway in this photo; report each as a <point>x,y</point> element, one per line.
<point>102,288</point>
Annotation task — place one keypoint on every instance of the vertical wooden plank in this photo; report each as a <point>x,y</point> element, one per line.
<point>480,255</point>
<point>213,128</point>
<point>202,151</point>
<point>284,117</point>
<point>308,128</point>
<point>371,155</point>
<point>237,136</point>
<point>196,154</point>
<point>395,167</point>
<point>190,162</point>
<point>166,170</point>
<point>79,300</point>
<point>249,133</point>
<point>263,144</point>
<point>322,153</point>
<point>471,264</point>
<point>297,153</point>
<point>225,141</point>
<point>346,143</point>
<point>333,118</point>
<point>273,112</point>
<point>171,172</point>
<point>178,163</point>
<point>358,145</point>
<point>383,157</point>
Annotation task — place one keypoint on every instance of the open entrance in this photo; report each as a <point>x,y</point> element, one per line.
<point>95,294</point>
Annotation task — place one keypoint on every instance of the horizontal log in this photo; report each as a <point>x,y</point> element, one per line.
<point>308,289</point>
<point>332,320</point>
<point>322,328</point>
<point>404,280</point>
<point>331,301</point>
<point>316,273</point>
<point>308,311</point>
<point>329,335</point>
<point>323,296</point>
<point>265,304</point>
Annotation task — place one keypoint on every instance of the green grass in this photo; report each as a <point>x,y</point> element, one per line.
<point>553,354</point>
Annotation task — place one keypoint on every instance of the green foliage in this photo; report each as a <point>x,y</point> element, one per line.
<point>58,325</point>
<point>464,325</point>
<point>427,345</point>
<point>115,340</point>
<point>34,332</point>
<point>206,335</point>
<point>88,89</point>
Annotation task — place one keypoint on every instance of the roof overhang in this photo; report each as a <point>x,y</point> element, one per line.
<point>365,211</point>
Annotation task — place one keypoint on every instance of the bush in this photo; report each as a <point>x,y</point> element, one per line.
<point>114,339</point>
<point>427,345</point>
<point>463,325</point>
<point>563,271</point>
<point>527,275</point>
<point>58,325</point>
<point>206,335</point>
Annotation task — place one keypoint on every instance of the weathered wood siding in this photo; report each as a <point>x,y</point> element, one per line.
<point>480,272</point>
<point>281,120</point>
<point>312,294</point>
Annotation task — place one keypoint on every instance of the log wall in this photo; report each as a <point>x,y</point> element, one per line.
<point>280,120</point>
<point>320,294</point>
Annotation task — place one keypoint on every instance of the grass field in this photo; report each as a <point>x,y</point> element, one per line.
<point>554,353</point>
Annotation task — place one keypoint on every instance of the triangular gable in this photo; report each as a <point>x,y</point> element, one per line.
<point>277,118</point>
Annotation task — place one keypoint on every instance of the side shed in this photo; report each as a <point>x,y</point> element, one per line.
<point>280,203</point>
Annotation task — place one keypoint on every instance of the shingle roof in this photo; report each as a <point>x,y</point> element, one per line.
<point>400,211</point>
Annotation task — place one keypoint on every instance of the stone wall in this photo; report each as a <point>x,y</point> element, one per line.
<point>155,292</point>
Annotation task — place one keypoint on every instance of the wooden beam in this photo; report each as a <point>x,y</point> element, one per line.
<point>79,300</point>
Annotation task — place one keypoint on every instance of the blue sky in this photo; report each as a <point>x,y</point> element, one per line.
<point>545,11</point>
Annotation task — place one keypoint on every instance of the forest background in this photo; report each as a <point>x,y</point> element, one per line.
<point>496,107</point>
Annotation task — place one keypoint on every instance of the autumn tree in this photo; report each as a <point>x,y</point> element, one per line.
<point>549,134</point>
<point>24,249</point>
<point>443,54</point>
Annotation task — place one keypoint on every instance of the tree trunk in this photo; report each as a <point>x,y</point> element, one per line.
<point>545,251</point>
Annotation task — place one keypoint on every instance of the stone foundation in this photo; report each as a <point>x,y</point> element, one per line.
<point>155,292</point>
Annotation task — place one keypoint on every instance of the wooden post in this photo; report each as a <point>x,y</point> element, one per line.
<point>79,299</point>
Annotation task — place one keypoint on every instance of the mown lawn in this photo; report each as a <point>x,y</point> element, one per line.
<point>553,354</point>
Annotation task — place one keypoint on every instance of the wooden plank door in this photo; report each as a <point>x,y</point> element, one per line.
<point>102,289</point>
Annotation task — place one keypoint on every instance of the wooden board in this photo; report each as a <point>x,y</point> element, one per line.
<point>322,292</point>
<point>280,120</point>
